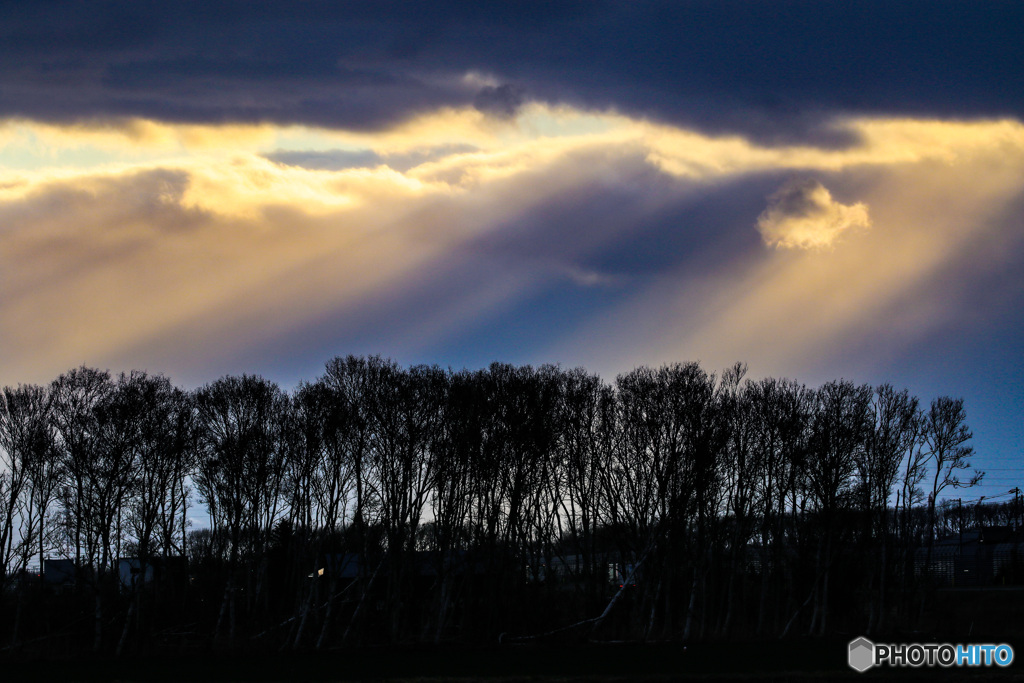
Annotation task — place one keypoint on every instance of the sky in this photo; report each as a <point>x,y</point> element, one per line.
<point>819,190</point>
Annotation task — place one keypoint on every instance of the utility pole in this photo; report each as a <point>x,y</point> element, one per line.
<point>1016,508</point>
<point>960,542</point>
<point>960,524</point>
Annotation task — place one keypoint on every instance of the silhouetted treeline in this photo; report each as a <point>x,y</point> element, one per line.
<point>389,504</point>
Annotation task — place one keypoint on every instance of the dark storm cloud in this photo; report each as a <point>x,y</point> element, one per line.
<point>772,70</point>
<point>503,100</point>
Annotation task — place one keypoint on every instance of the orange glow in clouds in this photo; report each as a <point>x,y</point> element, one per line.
<point>145,244</point>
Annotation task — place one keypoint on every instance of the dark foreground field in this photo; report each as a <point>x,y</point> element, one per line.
<point>751,661</point>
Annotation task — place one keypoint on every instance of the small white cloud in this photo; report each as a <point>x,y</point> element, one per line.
<point>803,215</point>
<point>585,277</point>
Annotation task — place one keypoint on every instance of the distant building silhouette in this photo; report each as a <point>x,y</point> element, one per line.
<point>977,557</point>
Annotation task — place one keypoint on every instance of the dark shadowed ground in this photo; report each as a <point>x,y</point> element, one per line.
<point>750,661</point>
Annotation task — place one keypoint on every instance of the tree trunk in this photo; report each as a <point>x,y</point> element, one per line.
<point>224,605</point>
<point>880,622</point>
<point>127,626</point>
<point>17,618</point>
<point>652,617</point>
<point>305,610</point>
<point>442,613</point>
<point>97,642</point>
<point>362,601</point>
<point>329,616</point>
<point>688,628</point>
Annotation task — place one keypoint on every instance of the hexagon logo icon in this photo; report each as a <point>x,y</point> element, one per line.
<point>862,654</point>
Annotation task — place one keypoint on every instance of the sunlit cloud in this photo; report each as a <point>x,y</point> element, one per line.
<point>803,215</point>
<point>117,139</point>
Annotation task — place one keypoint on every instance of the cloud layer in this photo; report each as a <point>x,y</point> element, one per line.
<point>775,72</point>
<point>199,250</point>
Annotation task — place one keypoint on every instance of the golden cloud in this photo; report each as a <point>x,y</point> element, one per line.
<point>803,215</point>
